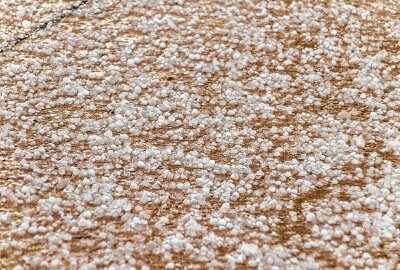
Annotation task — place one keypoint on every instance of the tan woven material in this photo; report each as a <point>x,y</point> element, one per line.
<point>199,134</point>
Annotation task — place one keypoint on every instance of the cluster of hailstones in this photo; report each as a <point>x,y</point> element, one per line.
<point>192,134</point>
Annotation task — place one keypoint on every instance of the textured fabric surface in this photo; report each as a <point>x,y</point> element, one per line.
<point>199,134</point>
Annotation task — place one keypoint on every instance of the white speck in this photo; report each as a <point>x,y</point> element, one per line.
<point>26,24</point>
<point>310,217</point>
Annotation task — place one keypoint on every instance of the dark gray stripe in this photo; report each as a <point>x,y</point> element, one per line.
<point>55,19</point>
